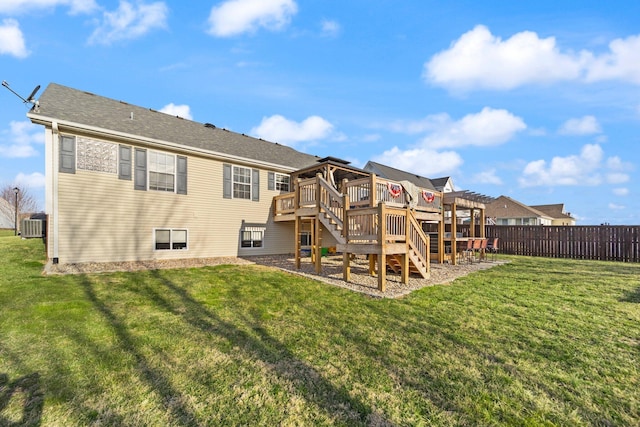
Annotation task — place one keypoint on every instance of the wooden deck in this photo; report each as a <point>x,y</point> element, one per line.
<point>378,223</point>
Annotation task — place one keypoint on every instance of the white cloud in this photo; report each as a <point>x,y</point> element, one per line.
<point>234,17</point>
<point>24,6</point>
<point>183,111</point>
<point>587,125</point>
<point>615,207</point>
<point>372,137</point>
<point>33,180</point>
<point>487,128</point>
<point>330,28</point>
<point>421,161</point>
<point>130,21</point>
<point>585,168</point>
<point>622,63</point>
<point>478,59</point>
<point>617,178</point>
<point>11,39</point>
<point>615,163</point>
<point>18,140</point>
<point>487,177</point>
<point>621,191</point>
<point>481,60</point>
<point>280,129</point>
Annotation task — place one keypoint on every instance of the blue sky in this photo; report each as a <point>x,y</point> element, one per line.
<point>538,101</point>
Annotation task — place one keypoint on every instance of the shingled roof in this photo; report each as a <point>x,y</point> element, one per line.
<point>398,175</point>
<point>72,106</point>
<point>506,207</point>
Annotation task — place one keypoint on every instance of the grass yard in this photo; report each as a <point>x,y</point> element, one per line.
<point>532,342</point>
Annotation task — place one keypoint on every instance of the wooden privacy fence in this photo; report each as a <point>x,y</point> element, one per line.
<point>595,242</point>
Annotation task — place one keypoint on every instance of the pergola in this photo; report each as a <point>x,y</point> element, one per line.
<point>464,200</point>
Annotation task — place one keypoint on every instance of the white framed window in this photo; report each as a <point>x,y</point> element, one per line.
<point>282,182</point>
<point>162,171</point>
<point>170,239</point>
<point>241,183</point>
<point>252,237</point>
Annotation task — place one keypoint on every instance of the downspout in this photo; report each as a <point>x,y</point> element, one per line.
<point>53,178</point>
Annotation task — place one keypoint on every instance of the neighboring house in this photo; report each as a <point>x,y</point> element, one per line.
<point>126,183</point>
<point>507,211</point>
<point>7,214</point>
<point>398,175</point>
<point>557,213</point>
<point>444,184</point>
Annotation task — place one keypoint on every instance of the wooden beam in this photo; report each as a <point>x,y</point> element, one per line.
<point>382,258</point>
<point>296,234</point>
<point>318,245</point>
<point>454,249</point>
<point>346,267</point>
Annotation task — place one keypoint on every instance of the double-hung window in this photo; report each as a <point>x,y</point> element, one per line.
<point>170,239</point>
<point>241,183</point>
<point>162,171</point>
<point>282,182</point>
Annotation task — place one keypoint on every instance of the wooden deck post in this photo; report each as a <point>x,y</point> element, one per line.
<point>404,273</point>
<point>318,242</point>
<point>441,246</point>
<point>454,245</point>
<point>382,257</point>
<point>296,205</point>
<point>346,257</point>
<point>373,191</point>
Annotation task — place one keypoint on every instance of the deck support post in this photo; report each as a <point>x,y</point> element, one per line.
<point>346,257</point>
<point>454,231</point>
<point>382,257</point>
<point>296,205</point>
<point>318,246</point>
<point>372,264</point>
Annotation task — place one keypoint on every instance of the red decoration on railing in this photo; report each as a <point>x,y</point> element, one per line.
<point>395,190</point>
<point>428,196</point>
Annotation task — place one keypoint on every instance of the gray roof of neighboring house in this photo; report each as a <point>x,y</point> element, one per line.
<point>398,175</point>
<point>506,207</point>
<point>555,210</point>
<point>62,103</point>
<point>439,183</point>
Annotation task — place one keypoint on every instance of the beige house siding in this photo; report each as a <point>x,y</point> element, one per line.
<point>103,219</point>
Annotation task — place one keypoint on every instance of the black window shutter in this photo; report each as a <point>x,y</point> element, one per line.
<point>255,185</point>
<point>67,154</point>
<point>271,180</point>
<point>124,167</point>
<point>181,175</point>
<point>140,182</point>
<point>226,181</point>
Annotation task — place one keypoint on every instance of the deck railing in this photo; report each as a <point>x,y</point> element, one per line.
<point>284,204</point>
<point>392,193</point>
<point>331,202</point>
<point>400,226</point>
<point>359,193</point>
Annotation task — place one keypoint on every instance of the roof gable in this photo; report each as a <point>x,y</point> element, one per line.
<point>555,211</point>
<point>506,207</point>
<point>65,104</point>
<point>398,175</point>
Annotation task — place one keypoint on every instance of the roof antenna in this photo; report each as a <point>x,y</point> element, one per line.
<point>30,99</point>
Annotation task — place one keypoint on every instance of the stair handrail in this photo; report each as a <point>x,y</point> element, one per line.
<point>328,194</point>
<point>417,239</point>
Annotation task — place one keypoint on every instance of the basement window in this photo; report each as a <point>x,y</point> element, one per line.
<point>167,239</point>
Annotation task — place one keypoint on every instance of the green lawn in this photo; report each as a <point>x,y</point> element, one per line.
<point>532,342</point>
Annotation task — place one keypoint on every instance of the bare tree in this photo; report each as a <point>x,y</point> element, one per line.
<point>27,203</point>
